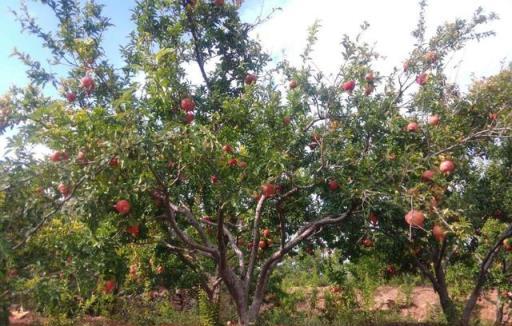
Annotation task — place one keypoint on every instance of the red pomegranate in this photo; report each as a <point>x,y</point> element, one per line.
<point>412,127</point>
<point>434,120</point>
<point>187,104</point>
<point>59,156</point>
<point>64,189</point>
<point>427,176</point>
<point>348,86</point>
<point>109,286</point>
<point>114,162</point>
<point>268,190</point>
<point>367,243</point>
<point>189,117</point>
<point>123,207</point>
<point>134,230</point>
<point>447,167</point>
<point>333,185</point>
<point>422,79</point>
<point>415,218</point>
<point>374,218</point>
<point>262,244</point>
<point>250,79</point>
<point>71,97</point>
<point>87,83</point>
<point>438,233</point>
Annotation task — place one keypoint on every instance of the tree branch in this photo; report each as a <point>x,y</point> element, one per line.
<point>256,240</point>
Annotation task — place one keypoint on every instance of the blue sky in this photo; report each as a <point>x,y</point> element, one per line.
<point>391,22</point>
<point>284,35</point>
<point>118,10</point>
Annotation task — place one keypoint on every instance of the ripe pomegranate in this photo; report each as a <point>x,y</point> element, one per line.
<point>367,243</point>
<point>287,120</point>
<point>293,84</point>
<point>87,83</point>
<point>64,190</point>
<point>123,207</point>
<point>422,79</point>
<point>227,148</point>
<point>71,97</point>
<point>438,233</point>
<point>214,179</point>
<point>262,244</point>
<point>415,218</point>
<point>427,176</point>
<point>430,57</point>
<point>12,272</point>
<point>187,104</point>
<point>447,167</point>
<point>268,190</point>
<point>109,286</point>
<point>374,218</point>
<point>369,77</point>
<point>250,79</point>
<point>114,162</point>
<point>390,270</point>
<point>233,162</point>
<point>348,86</point>
<point>189,117</point>
<point>134,230</point>
<point>434,120</point>
<point>333,185</point>
<point>412,127</point>
<point>59,156</point>
<point>406,66</point>
<point>266,233</point>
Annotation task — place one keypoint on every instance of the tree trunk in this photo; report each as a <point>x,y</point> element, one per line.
<point>500,305</point>
<point>447,304</point>
<point>449,308</point>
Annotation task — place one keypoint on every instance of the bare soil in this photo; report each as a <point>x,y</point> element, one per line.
<point>418,305</point>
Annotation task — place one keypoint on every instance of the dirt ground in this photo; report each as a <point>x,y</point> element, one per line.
<point>418,305</point>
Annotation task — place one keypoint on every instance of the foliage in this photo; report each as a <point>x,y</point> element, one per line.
<point>223,179</point>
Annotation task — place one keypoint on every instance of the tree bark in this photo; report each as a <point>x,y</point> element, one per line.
<point>482,276</point>
<point>500,305</point>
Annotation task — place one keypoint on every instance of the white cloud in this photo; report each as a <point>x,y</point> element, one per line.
<point>391,23</point>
